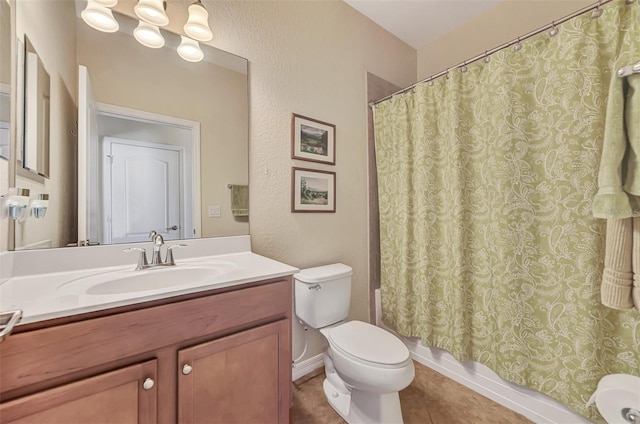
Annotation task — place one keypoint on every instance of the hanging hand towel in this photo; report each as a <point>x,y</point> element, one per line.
<point>239,200</point>
<point>617,277</point>
<point>619,176</point>
<point>618,197</point>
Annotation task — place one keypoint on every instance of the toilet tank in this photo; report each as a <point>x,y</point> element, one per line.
<point>322,294</point>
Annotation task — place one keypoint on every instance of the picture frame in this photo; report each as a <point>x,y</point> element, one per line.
<point>312,140</point>
<point>313,190</point>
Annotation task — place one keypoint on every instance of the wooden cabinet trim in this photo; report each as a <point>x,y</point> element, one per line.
<point>74,347</point>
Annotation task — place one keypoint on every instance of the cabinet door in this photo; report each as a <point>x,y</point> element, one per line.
<point>242,378</point>
<point>121,396</point>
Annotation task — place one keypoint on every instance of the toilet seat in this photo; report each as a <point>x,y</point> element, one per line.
<point>365,343</point>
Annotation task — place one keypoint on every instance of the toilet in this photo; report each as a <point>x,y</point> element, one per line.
<point>365,365</point>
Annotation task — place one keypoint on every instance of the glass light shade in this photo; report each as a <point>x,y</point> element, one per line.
<point>99,17</point>
<point>152,12</point>
<point>148,35</point>
<point>197,26</point>
<point>15,203</point>
<point>39,205</point>
<point>106,3</point>
<point>189,50</point>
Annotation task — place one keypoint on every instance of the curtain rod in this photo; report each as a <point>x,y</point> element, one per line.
<point>500,47</point>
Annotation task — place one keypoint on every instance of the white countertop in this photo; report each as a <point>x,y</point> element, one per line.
<point>41,298</point>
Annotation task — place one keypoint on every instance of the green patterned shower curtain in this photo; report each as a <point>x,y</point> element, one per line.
<point>486,179</point>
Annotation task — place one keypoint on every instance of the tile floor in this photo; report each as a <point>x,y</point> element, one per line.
<point>430,399</point>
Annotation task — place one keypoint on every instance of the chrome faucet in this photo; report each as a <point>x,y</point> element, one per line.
<point>158,241</point>
<point>156,259</point>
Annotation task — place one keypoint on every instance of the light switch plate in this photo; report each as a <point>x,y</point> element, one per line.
<point>214,211</point>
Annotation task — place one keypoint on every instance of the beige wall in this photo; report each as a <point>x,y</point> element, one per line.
<point>503,23</point>
<point>310,58</point>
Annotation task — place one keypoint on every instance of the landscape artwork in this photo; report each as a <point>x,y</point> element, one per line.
<point>313,190</point>
<point>312,140</point>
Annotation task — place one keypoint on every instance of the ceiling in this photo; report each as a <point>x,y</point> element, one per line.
<point>420,22</point>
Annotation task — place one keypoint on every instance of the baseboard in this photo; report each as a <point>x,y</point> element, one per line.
<point>534,405</point>
<point>307,366</point>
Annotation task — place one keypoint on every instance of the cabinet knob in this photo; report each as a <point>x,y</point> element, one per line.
<point>148,383</point>
<point>186,369</point>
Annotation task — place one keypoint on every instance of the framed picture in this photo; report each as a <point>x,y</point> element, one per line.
<point>312,140</point>
<point>313,190</point>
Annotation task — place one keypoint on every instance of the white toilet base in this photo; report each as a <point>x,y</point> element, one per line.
<point>364,407</point>
<point>340,402</point>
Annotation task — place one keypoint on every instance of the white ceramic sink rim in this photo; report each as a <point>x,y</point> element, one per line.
<point>129,281</point>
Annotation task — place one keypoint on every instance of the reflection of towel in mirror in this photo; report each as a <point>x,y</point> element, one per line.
<point>239,200</point>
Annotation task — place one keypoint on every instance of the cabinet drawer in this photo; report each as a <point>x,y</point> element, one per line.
<point>121,395</point>
<point>37,356</point>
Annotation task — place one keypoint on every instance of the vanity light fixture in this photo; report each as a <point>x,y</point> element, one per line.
<point>99,17</point>
<point>197,26</point>
<point>189,50</point>
<point>152,12</point>
<point>148,35</point>
<point>152,15</point>
<point>15,203</point>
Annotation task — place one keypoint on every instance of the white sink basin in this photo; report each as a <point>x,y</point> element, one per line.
<point>131,281</point>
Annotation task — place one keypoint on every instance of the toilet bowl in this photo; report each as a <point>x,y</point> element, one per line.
<point>365,366</point>
<point>368,357</point>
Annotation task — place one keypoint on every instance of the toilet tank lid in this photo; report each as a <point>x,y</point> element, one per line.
<point>323,273</point>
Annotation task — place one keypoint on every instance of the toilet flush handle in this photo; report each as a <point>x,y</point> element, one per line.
<point>315,287</point>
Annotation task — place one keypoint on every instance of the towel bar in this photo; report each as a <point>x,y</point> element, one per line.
<point>628,70</point>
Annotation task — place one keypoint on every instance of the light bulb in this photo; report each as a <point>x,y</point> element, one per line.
<point>152,11</point>
<point>99,17</point>
<point>197,26</point>
<point>148,35</point>
<point>189,50</point>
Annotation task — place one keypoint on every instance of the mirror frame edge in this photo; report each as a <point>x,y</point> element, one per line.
<point>13,120</point>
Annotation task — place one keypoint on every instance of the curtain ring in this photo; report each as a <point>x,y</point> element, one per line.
<point>597,12</point>
<point>464,68</point>
<point>517,47</point>
<point>487,59</point>
<point>447,74</point>
<point>554,30</point>
<point>430,83</point>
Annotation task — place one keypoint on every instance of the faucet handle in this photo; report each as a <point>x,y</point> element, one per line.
<point>142,259</point>
<point>170,260</point>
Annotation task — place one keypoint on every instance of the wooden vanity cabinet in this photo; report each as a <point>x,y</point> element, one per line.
<point>221,357</point>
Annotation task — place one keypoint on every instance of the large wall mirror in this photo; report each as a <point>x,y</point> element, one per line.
<point>138,138</point>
